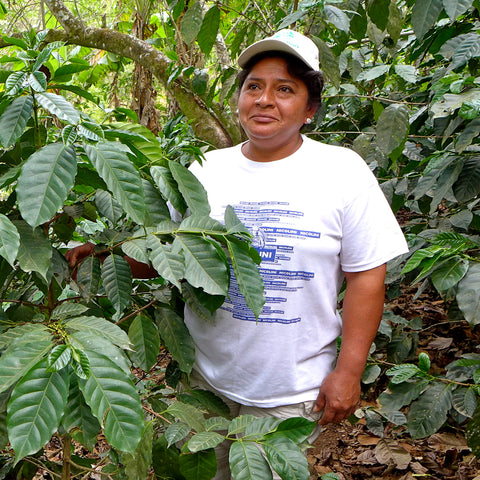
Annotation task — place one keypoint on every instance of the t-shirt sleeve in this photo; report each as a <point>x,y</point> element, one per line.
<point>371,235</point>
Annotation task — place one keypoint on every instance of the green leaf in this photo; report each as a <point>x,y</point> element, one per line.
<point>203,266</point>
<point>114,401</point>
<point>15,83</point>
<point>107,206</point>
<point>337,18</point>
<point>468,47</point>
<point>465,401</point>
<point>25,333</point>
<point>424,15</point>
<point>468,294</point>
<point>401,373</point>
<point>392,128</point>
<point>261,427</point>
<point>208,32</point>
<point>59,358</point>
<point>249,280</point>
<point>35,250</point>
<point>168,187</point>
<point>14,120</point>
<point>58,106</point>
<point>37,81</point>
<point>78,419</point>
<point>297,429</point>
<point>201,224</point>
<point>373,73</point>
<point>99,327</point>
<point>88,277</point>
<point>204,441</point>
<point>434,169</point>
<point>176,432</point>
<point>407,72</point>
<point>91,340</point>
<point>117,281</point>
<point>137,464</point>
<point>168,264</point>
<point>22,354</point>
<point>467,184</point>
<point>166,459</point>
<point>112,163</point>
<point>247,462</point>
<point>191,22</point>
<point>427,414</point>
<point>378,11</point>
<point>9,240</point>
<point>328,61</point>
<point>188,414</point>
<point>46,178</point>
<point>455,8</point>
<point>35,409</point>
<point>240,424</point>
<point>199,466</point>
<point>192,190</point>
<point>233,224</point>
<point>136,249</point>
<point>449,273</point>
<point>145,342</point>
<point>399,395</point>
<point>472,433</point>
<point>176,337</point>
<point>424,362</point>
<point>157,210</point>
<point>286,458</point>
<point>466,137</point>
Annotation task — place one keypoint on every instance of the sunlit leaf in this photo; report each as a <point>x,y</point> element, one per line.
<point>9,240</point>
<point>117,281</point>
<point>35,409</point>
<point>112,163</point>
<point>46,178</point>
<point>247,462</point>
<point>208,32</point>
<point>192,22</point>
<point>58,106</point>
<point>14,120</point>
<point>114,401</point>
<point>145,342</point>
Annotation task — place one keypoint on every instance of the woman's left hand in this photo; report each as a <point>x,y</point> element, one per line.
<point>338,397</point>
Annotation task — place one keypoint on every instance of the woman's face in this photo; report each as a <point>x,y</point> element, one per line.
<point>273,105</point>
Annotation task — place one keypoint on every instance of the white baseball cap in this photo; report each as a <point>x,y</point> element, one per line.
<point>287,41</point>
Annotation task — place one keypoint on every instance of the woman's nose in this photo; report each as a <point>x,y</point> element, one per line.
<point>265,99</point>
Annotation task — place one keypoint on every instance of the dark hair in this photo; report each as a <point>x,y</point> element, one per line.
<point>312,79</point>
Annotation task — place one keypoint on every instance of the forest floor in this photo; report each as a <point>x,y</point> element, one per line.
<point>354,453</point>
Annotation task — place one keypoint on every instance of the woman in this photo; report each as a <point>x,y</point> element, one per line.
<point>318,217</point>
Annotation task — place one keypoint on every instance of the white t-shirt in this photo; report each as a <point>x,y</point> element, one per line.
<point>314,215</point>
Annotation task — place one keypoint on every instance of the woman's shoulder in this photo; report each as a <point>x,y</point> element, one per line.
<point>336,158</point>
<point>218,158</point>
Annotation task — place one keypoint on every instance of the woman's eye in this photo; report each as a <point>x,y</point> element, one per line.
<point>286,89</point>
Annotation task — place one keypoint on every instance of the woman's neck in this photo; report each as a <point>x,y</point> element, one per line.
<point>262,151</point>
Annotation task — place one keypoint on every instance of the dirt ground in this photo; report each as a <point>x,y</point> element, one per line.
<point>354,453</point>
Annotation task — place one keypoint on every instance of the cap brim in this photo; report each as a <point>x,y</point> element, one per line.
<point>268,45</point>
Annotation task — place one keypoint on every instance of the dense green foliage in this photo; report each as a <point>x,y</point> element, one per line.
<point>402,90</point>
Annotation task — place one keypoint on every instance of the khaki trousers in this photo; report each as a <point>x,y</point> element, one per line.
<point>304,409</point>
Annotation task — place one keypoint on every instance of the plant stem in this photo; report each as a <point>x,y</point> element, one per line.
<point>67,454</point>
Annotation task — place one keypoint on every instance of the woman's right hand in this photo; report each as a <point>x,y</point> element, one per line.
<point>76,255</point>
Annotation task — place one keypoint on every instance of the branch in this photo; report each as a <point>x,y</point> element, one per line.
<point>205,123</point>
